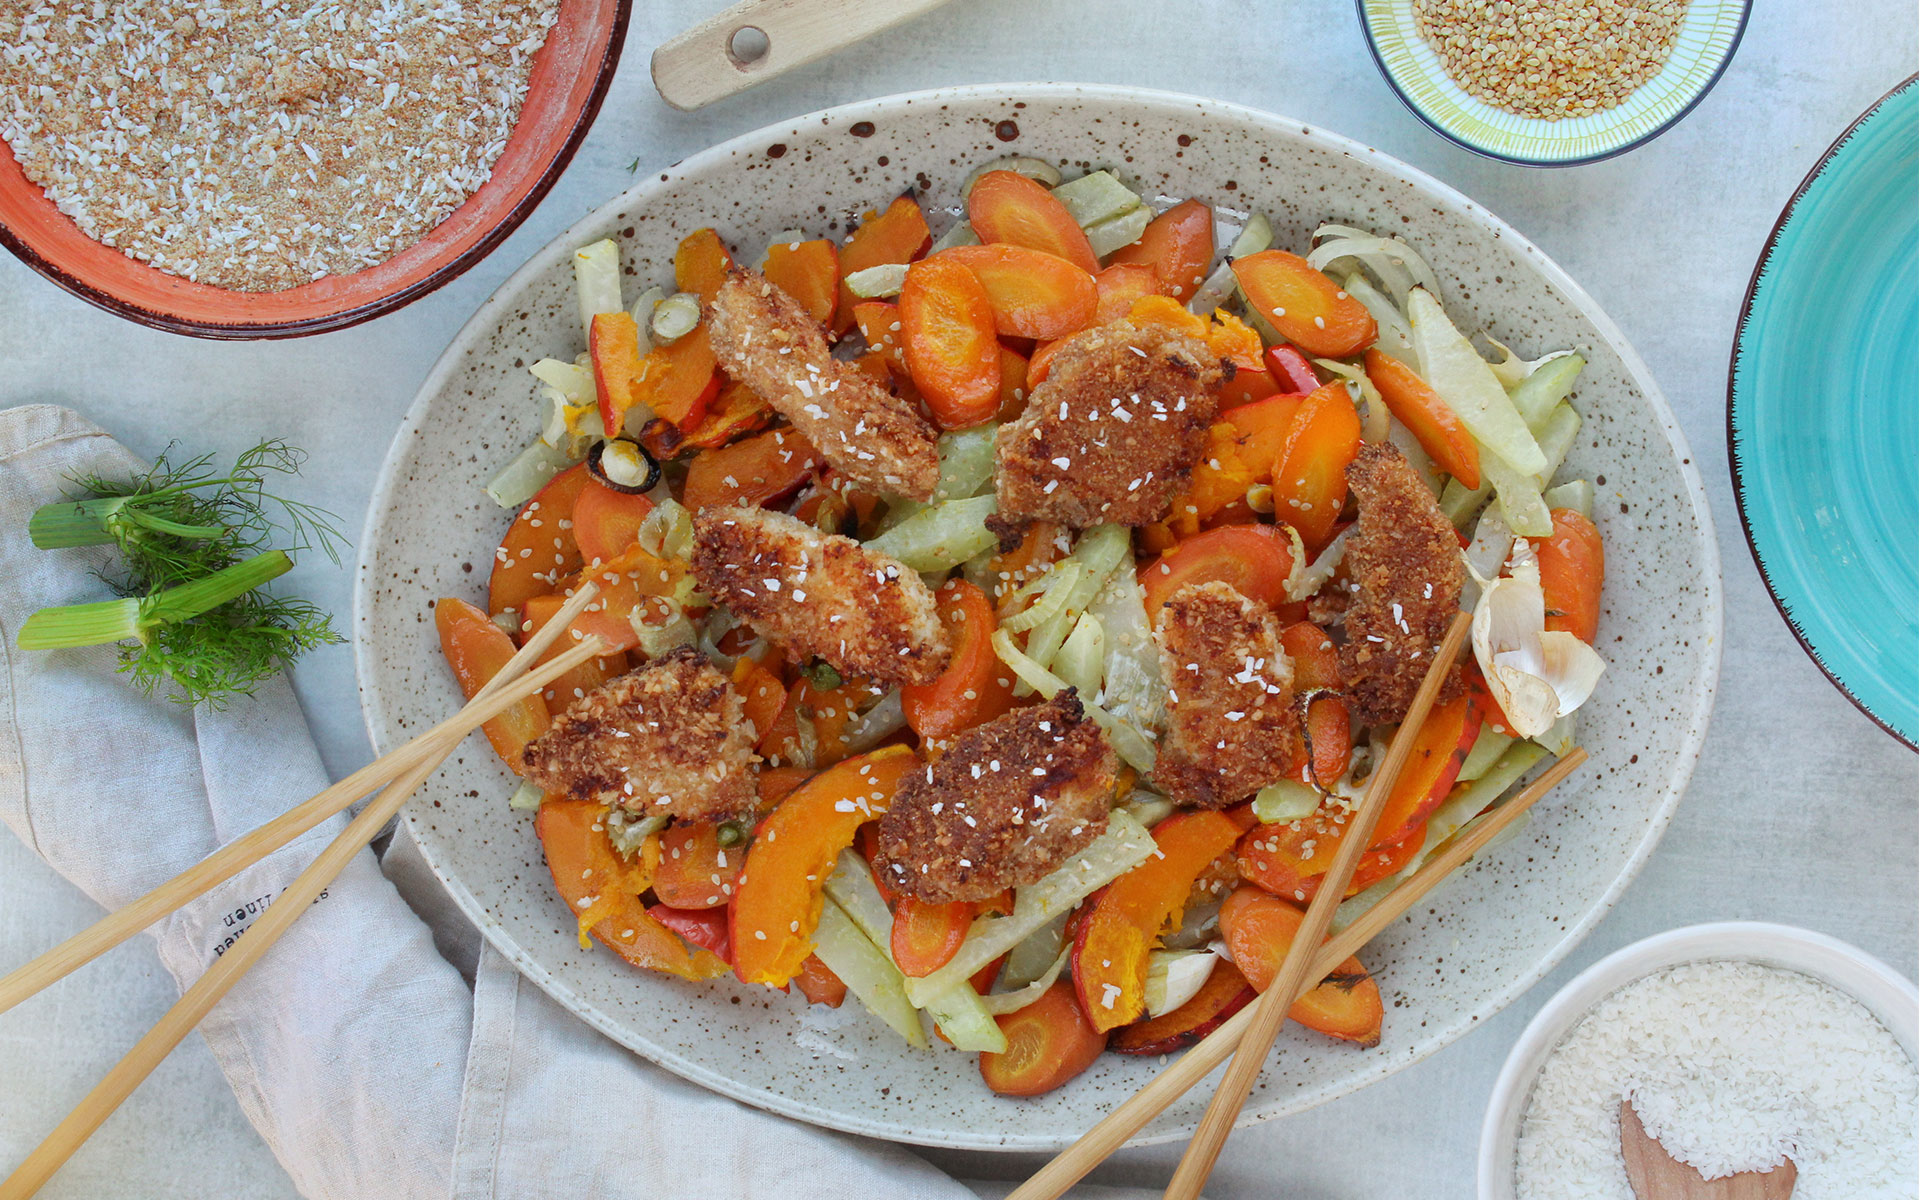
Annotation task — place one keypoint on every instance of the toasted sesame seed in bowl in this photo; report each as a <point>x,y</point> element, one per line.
<point>229,170</point>
<point>1552,82</point>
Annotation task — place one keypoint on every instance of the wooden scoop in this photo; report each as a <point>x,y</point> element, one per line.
<point>1657,1175</point>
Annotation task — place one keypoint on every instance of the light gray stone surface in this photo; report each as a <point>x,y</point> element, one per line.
<point>1801,811</point>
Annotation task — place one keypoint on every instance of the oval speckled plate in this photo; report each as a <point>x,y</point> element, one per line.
<point>1821,413</point>
<point>1485,937</point>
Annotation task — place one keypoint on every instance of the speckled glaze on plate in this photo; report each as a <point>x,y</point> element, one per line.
<point>1482,938</point>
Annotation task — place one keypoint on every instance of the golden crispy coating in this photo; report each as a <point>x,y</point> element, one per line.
<point>1006,804</point>
<point>1113,431</point>
<point>1404,563</point>
<point>818,594</point>
<point>670,738</point>
<point>763,339</point>
<point>1230,718</point>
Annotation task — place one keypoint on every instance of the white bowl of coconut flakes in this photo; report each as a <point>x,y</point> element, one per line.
<point>1738,1042</point>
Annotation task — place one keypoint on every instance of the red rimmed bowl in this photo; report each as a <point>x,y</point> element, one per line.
<point>568,81</point>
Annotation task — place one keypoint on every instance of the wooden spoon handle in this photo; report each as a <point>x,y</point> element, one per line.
<point>706,63</point>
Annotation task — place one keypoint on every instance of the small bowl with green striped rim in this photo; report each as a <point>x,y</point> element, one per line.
<point>1705,44</point>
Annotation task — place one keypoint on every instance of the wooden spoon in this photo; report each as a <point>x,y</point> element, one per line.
<point>1657,1175</point>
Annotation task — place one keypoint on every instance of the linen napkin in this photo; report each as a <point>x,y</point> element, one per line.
<point>355,1048</point>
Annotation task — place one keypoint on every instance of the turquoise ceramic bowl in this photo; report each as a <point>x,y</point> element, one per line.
<point>1821,422</point>
<point>1706,42</point>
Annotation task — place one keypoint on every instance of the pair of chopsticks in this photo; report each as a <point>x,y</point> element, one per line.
<point>1249,1035</point>
<point>402,772</point>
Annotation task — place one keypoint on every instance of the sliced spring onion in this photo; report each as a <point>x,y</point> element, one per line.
<point>526,797</point>
<point>675,317</point>
<point>1455,370</point>
<point>656,640</point>
<point>1285,800</point>
<point>1256,235</point>
<point>1416,455</point>
<point>868,974</point>
<point>642,311</point>
<point>1001,1003</point>
<point>1576,494</point>
<point>1487,749</point>
<point>1122,846</point>
<point>1459,502</point>
<point>876,282</point>
<point>961,234</point>
<point>978,570</point>
<point>966,462</point>
<point>1036,953</point>
<point>1098,551</point>
<point>1396,336</point>
<point>1047,594</point>
<point>940,537</point>
<point>526,474</point>
<point>1547,387</point>
<point>1039,170</point>
<point>596,281</point>
<point>1095,197</point>
<point>1114,232</point>
<point>1081,656</point>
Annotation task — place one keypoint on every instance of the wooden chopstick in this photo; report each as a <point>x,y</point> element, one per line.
<point>103,935</point>
<point>1099,1142</point>
<point>127,1074</point>
<point>1270,1011</point>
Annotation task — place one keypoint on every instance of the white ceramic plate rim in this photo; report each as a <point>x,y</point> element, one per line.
<point>1138,99</point>
<point>1825,958</point>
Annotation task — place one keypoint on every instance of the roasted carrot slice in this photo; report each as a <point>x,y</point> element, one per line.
<point>735,411</point>
<point>1178,245</point>
<point>700,264</point>
<point>976,686</point>
<point>819,984</point>
<point>1255,559</point>
<point>1041,361</point>
<point>1013,385</point>
<point>947,329</point>
<point>1232,340</point>
<point>753,470</point>
<point>1261,429</point>
<point>1007,207</point>
<point>564,691</point>
<point>1310,476</point>
<point>1259,929</point>
<point>1439,748</point>
<point>896,235</point>
<point>696,871</point>
<point>1303,305</point>
<point>476,649</point>
<point>1048,1043</point>
<point>1573,566</point>
<point>1422,411</point>
<point>1329,727</point>
<point>1119,285</point>
<point>605,521</point>
<point>539,550</point>
<point>926,935</point>
<point>809,272</point>
<point>1034,294</point>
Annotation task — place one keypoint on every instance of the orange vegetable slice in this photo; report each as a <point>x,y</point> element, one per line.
<point>1178,245</point>
<point>1573,567</point>
<point>1427,416</point>
<point>976,686</point>
<point>1255,559</point>
<point>926,935</point>
<point>776,904</point>
<point>809,272</point>
<point>1008,208</point>
<point>898,234</point>
<point>613,347</point>
<point>700,264</point>
<point>1048,1043</point>
<point>575,684</point>
<point>605,522</point>
<point>696,872</point>
<point>1225,992</point>
<point>1440,747</point>
<point>539,550</point>
<point>1034,294</point>
<point>1260,928</point>
<point>1329,730</point>
<point>1261,429</point>
<point>476,649</point>
<point>754,470</point>
<point>879,324</point>
<point>679,380</point>
<point>1111,947</point>
<point>947,330</point>
<point>1310,476</point>
<point>1119,285</point>
<point>1303,305</point>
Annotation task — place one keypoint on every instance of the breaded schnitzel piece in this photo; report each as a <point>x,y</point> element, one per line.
<point>1230,718</point>
<point>819,594</point>
<point>765,340</point>
<point>1007,803</point>
<point>670,738</point>
<point>1113,431</point>
<point>1404,562</point>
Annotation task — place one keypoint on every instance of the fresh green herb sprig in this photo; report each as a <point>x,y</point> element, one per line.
<point>195,551</point>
